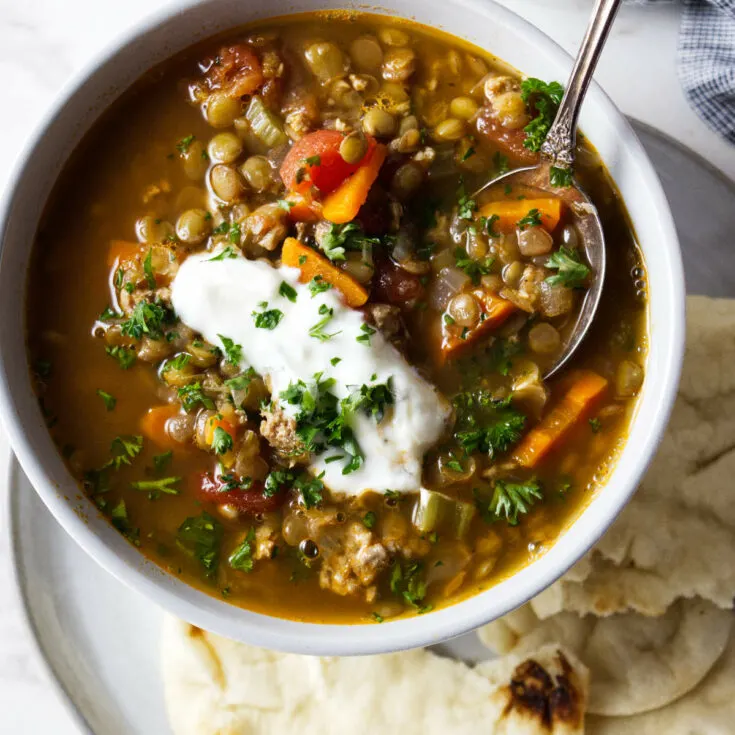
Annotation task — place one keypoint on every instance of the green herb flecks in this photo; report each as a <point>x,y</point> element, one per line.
<point>232,350</point>
<point>201,537</point>
<point>560,177</point>
<point>475,269</point>
<point>241,559</point>
<point>570,270</point>
<point>109,400</point>
<point>287,291</point>
<point>532,219</point>
<point>192,396</point>
<point>340,239</point>
<point>509,500</point>
<point>485,424</point>
<point>544,99</point>
<point>268,318</point>
<point>227,253</point>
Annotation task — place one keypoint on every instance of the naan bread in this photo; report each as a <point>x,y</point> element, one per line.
<point>214,686</point>
<point>636,663</point>
<point>671,540</point>
<point>707,710</point>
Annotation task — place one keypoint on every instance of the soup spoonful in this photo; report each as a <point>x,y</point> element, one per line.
<point>554,173</point>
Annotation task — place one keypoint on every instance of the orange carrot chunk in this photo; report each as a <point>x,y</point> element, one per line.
<point>510,212</point>
<point>580,399</point>
<point>456,340</point>
<point>313,265</point>
<point>153,424</point>
<point>302,208</point>
<point>343,204</point>
<point>122,250</point>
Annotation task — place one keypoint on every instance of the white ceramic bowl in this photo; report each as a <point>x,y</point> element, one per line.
<point>479,21</point>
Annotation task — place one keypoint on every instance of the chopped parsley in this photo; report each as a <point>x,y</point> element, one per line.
<point>221,441</point>
<point>595,425</point>
<point>155,488</point>
<point>231,482</point>
<point>488,223</point>
<point>313,160</point>
<point>192,395</point>
<point>372,400</point>
<point>287,291</point>
<point>241,559</point>
<point>177,363</point>
<point>318,285</point>
<point>242,382</point>
<point>545,99</point>
<point>108,314</point>
<point>335,361</point>
<point>148,270</point>
<point>201,537</point>
<point>509,500</point>
<point>369,519</point>
<point>268,318</point>
<point>183,145</point>
<point>317,331</point>
<point>485,424</point>
<point>473,268</point>
<point>311,489</point>
<point>161,461</point>
<point>119,517</point>
<point>377,617</point>
<point>407,582</point>
<point>341,238</point>
<point>466,206</point>
<point>275,481</point>
<point>468,153</point>
<point>125,356</point>
<point>367,332</point>
<point>233,351</point>
<point>124,450</point>
<point>109,400</point>
<point>221,229</point>
<point>560,177</point>
<point>285,205</point>
<point>500,163</point>
<point>147,319</point>
<point>235,233</point>
<point>570,271</point>
<point>532,219</point>
<point>227,252</point>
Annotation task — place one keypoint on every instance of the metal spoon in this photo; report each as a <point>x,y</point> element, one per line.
<point>558,151</point>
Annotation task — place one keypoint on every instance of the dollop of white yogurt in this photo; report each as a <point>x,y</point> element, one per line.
<point>218,298</point>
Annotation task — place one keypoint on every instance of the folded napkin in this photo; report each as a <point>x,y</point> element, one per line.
<point>706,60</point>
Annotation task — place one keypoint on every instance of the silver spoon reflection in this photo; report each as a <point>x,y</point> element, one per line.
<point>557,157</point>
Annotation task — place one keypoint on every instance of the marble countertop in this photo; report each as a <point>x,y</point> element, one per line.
<point>43,42</point>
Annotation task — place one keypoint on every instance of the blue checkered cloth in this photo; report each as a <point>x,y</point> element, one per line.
<point>706,62</point>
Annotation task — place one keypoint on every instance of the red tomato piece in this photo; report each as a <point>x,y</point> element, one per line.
<point>314,160</point>
<point>211,490</point>
<point>236,71</point>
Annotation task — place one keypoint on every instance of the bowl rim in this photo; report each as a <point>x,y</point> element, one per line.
<point>331,639</point>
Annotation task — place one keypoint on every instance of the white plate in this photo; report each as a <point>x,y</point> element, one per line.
<point>99,639</point>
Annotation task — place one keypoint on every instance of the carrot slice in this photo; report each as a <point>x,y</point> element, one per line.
<point>343,204</point>
<point>153,424</point>
<point>302,208</point>
<point>456,340</point>
<point>312,265</point>
<point>510,212</point>
<point>579,400</point>
<point>122,250</point>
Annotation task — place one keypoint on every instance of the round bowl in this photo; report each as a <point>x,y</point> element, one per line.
<point>479,21</point>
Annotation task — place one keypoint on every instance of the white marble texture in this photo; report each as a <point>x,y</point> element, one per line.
<point>43,42</point>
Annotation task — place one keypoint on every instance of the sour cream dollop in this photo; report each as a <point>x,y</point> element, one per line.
<point>220,298</point>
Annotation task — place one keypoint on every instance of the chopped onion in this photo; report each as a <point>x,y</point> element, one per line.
<point>449,282</point>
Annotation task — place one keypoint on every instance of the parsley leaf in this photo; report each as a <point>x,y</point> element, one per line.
<point>407,582</point>
<point>109,400</point>
<point>192,395</point>
<point>318,285</point>
<point>242,382</point>
<point>341,238</point>
<point>154,488</point>
<point>148,270</point>
<point>509,499</point>
<point>241,558</point>
<point>235,233</point>
<point>201,537</point>
<point>473,268</point>
<point>466,207</point>
<point>226,253</point>
<point>571,272</point>
<point>125,356</point>
<point>233,351</point>
<point>310,488</point>
<point>267,319</point>
<point>595,425</point>
<point>162,460</point>
<point>485,424</point>
<point>369,519</point>
<point>560,177</point>
<point>124,450</point>
<point>287,291</point>
<point>183,145</point>
<point>532,219</point>
<point>544,99</point>
<point>317,331</point>
<point>367,332</point>
<point>177,363</point>
<point>372,400</point>
<point>489,224</point>
<point>147,318</point>
<point>221,441</point>
<point>275,481</point>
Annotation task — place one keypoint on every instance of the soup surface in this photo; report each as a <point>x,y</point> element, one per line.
<point>289,355</point>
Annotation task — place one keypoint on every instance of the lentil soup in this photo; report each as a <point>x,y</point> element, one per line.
<point>292,359</point>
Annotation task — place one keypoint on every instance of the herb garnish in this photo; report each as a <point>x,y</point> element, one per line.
<point>241,558</point>
<point>532,219</point>
<point>466,207</point>
<point>287,291</point>
<point>154,488</point>
<point>318,285</point>
<point>109,400</point>
<point>509,499</point>
<point>342,238</point>
<point>221,441</point>
<point>560,177</point>
<point>545,99</point>
<point>201,537</point>
<point>369,519</point>
<point>571,272</point>
<point>268,318</point>
<point>125,356</point>
<point>485,424</point>
<point>408,583</point>
<point>367,333</point>
<point>160,461</point>
<point>147,318</point>
<point>473,268</point>
<point>232,350</point>
<point>148,270</point>
<point>317,331</point>
<point>183,145</point>
<point>227,252</point>
<point>372,400</point>
<point>192,395</point>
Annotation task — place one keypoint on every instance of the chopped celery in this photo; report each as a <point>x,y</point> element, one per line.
<point>264,124</point>
<point>436,512</point>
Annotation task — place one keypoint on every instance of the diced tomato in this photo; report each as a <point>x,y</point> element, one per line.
<point>236,71</point>
<point>211,490</point>
<point>393,285</point>
<point>314,160</point>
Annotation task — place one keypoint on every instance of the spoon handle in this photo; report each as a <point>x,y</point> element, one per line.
<point>558,148</point>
